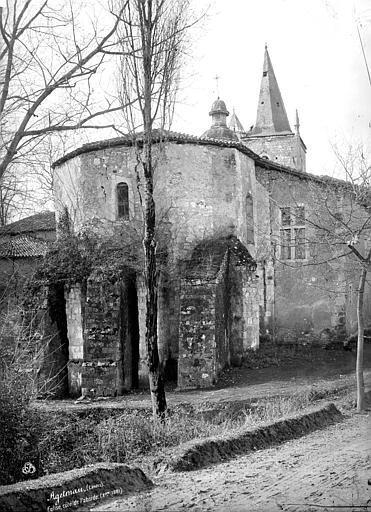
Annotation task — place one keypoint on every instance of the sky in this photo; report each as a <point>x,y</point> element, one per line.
<point>317,58</point>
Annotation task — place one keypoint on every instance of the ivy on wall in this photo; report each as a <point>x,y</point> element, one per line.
<point>73,258</point>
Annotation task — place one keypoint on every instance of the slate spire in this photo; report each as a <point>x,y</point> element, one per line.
<point>235,124</point>
<point>271,116</point>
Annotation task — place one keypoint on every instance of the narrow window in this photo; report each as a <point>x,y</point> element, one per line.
<point>299,215</point>
<point>286,244</point>
<point>249,218</point>
<point>122,194</point>
<point>286,217</point>
<point>299,243</point>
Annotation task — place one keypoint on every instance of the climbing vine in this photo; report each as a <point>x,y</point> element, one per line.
<point>73,258</point>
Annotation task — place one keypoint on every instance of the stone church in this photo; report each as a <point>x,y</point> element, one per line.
<point>245,255</point>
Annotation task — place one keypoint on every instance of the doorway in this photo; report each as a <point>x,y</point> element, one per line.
<point>129,333</point>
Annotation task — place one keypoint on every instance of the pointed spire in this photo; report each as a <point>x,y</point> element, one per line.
<point>235,124</point>
<point>271,116</point>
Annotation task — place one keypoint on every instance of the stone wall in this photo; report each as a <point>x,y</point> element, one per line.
<point>197,345</point>
<point>244,313</point>
<point>201,192</point>
<point>287,149</point>
<point>103,351</point>
<point>204,190</point>
<point>103,333</point>
<point>312,295</point>
<point>219,319</point>
<point>264,257</point>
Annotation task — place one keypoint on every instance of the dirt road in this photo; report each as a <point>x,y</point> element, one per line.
<point>243,384</point>
<point>326,470</point>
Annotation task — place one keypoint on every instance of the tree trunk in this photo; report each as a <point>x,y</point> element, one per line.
<point>156,381</point>
<point>361,327</point>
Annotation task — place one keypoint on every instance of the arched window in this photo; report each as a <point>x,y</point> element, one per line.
<point>122,195</point>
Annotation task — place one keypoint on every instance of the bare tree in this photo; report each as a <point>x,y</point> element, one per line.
<point>11,194</point>
<point>48,60</point>
<point>153,38</point>
<point>338,234</point>
<point>358,174</point>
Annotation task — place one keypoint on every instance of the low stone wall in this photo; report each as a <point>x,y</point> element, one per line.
<point>194,455</point>
<point>74,489</point>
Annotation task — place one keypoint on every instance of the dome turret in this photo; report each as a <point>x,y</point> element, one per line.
<point>219,128</point>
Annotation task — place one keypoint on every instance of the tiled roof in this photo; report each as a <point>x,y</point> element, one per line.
<point>158,136</point>
<point>21,246</point>
<point>182,138</point>
<point>43,221</point>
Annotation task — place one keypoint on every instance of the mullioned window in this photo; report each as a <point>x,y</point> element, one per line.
<point>293,242</point>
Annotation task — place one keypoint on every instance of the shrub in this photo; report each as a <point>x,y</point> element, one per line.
<point>20,425</point>
<point>68,441</point>
<point>19,432</point>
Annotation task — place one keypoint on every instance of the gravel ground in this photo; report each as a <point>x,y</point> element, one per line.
<point>326,470</point>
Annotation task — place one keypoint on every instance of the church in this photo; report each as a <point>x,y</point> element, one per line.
<point>246,249</point>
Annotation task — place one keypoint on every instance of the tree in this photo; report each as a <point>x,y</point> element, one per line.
<point>338,235</point>
<point>152,43</point>
<point>11,195</point>
<point>358,174</point>
<point>366,266</point>
<point>323,236</point>
<point>47,66</point>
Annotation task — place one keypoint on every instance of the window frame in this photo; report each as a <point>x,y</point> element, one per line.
<point>291,224</point>
<point>122,185</point>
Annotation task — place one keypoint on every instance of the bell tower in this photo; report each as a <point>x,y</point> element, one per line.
<point>271,137</point>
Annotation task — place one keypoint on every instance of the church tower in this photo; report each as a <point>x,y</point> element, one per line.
<point>271,136</point>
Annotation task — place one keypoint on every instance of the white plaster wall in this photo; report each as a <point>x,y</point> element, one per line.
<point>74,323</point>
<point>68,192</point>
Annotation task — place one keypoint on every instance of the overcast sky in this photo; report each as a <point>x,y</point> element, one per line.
<point>318,62</point>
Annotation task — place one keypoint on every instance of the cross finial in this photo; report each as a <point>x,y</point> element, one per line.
<point>217,78</point>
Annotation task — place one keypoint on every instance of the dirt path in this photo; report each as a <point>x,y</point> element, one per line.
<point>329,468</point>
<point>241,385</point>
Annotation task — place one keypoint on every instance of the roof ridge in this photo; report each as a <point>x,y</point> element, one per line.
<point>40,221</point>
<point>184,138</point>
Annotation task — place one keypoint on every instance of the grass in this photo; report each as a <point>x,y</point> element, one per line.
<point>75,440</point>
<point>273,355</point>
